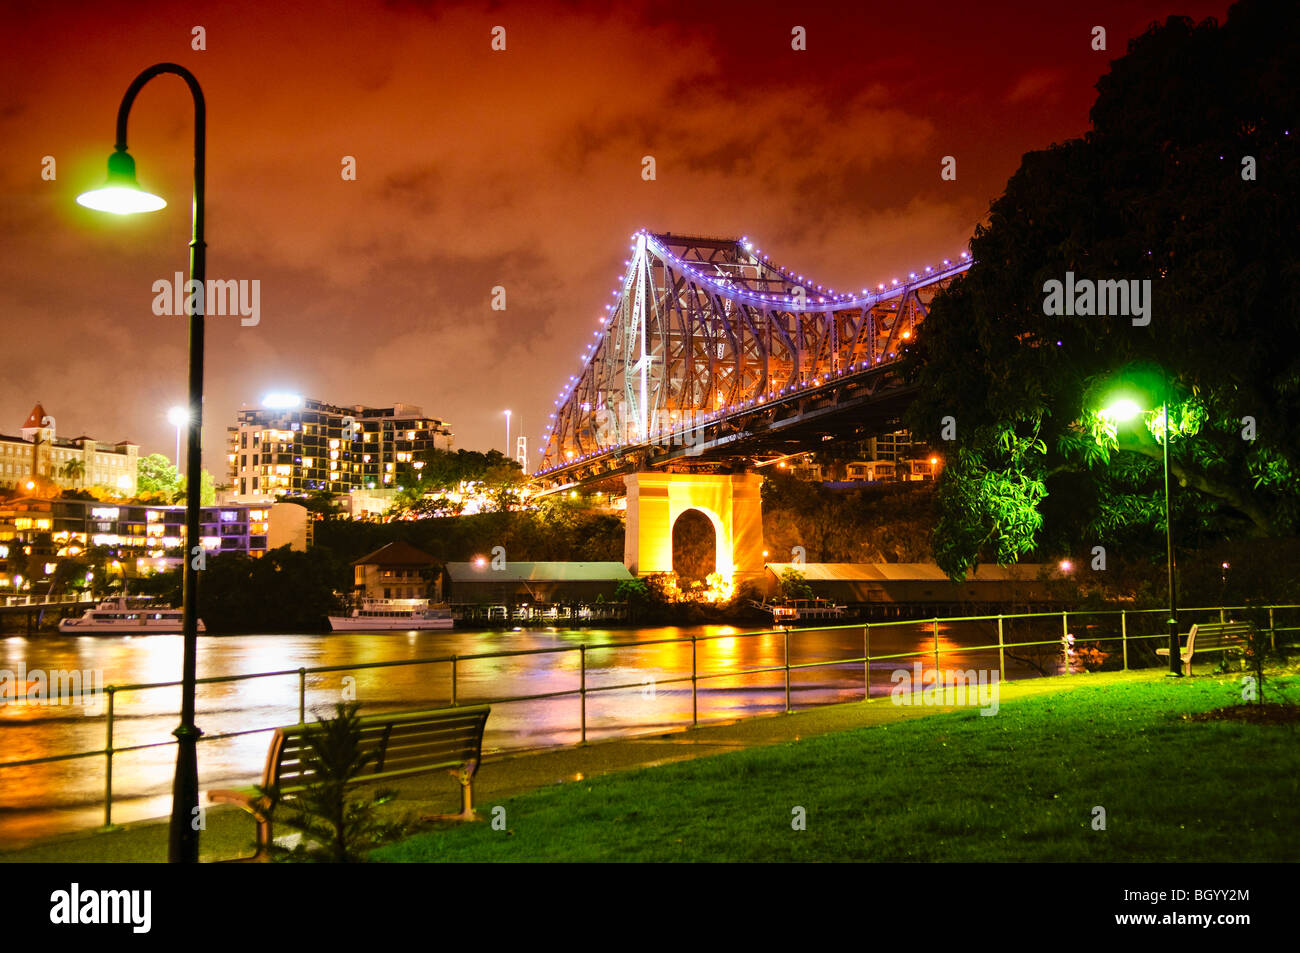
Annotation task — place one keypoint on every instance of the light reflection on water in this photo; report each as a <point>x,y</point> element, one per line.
<point>43,799</point>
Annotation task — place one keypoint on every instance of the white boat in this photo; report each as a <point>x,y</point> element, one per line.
<point>393,615</point>
<point>125,615</point>
<point>805,610</point>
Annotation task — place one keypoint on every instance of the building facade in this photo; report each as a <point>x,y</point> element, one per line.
<point>395,571</point>
<point>297,446</point>
<point>37,457</point>
<point>141,538</point>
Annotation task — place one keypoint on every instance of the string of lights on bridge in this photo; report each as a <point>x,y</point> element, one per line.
<point>866,299</point>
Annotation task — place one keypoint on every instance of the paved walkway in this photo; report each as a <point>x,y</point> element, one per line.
<point>229,833</point>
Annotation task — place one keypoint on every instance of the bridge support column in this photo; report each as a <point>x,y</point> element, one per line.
<point>731,502</point>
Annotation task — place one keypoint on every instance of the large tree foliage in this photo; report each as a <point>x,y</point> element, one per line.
<point>1154,191</point>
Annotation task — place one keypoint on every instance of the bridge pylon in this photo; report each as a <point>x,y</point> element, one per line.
<point>731,501</point>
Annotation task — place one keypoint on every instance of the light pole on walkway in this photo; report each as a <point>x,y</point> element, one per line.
<point>122,195</point>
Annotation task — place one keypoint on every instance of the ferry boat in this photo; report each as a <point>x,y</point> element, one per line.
<point>804,610</point>
<point>124,615</point>
<point>393,615</point>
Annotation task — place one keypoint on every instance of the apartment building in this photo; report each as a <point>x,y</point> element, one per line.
<point>143,538</point>
<point>293,445</point>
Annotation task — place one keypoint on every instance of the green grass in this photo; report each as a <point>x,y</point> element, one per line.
<point>1018,786</point>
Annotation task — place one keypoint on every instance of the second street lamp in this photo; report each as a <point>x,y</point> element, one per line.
<point>1123,408</point>
<point>178,416</point>
<point>122,195</point>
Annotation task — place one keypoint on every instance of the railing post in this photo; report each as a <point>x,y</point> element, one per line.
<point>787,670</point>
<point>582,689</point>
<point>866,660</point>
<point>454,702</point>
<point>108,762</point>
<point>302,696</point>
<point>1002,658</point>
<point>936,650</point>
<point>1065,639</point>
<point>1272,631</point>
<point>1123,634</point>
<point>695,709</point>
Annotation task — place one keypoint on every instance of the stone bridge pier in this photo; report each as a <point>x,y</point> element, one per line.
<point>730,501</point>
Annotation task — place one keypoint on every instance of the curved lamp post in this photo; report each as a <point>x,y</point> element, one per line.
<point>1122,407</point>
<point>122,195</point>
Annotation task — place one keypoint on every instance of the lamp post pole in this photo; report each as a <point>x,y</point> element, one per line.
<point>183,843</point>
<point>1175,663</point>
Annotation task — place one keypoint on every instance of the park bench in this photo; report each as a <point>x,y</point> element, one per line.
<point>1212,637</point>
<point>406,744</point>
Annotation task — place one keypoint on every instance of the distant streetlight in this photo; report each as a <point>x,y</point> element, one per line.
<point>179,417</point>
<point>122,195</point>
<point>1121,408</point>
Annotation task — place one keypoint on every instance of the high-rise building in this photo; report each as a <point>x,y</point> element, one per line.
<point>38,456</point>
<point>295,446</point>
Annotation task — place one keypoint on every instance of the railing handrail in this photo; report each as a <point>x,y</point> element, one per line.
<point>508,653</point>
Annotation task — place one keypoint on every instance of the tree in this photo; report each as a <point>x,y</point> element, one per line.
<point>207,489</point>
<point>794,585</point>
<point>74,469</point>
<point>155,474</point>
<point>1159,190</point>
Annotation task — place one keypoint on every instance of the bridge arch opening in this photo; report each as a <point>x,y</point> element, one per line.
<point>698,539</point>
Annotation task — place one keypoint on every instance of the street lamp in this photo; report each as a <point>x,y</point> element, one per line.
<point>122,195</point>
<point>1122,408</point>
<point>178,417</point>
<point>507,433</point>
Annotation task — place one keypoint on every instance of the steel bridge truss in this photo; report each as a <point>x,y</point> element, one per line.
<point>706,332</point>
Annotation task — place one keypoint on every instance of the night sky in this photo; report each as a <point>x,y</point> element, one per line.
<point>478,168</point>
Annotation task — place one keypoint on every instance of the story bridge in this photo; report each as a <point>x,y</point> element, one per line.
<point>713,360</point>
<point>714,356</point>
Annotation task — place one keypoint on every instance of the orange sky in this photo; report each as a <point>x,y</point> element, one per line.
<point>478,168</point>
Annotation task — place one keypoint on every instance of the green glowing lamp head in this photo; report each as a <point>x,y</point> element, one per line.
<point>1121,409</point>
<point>121,194</point>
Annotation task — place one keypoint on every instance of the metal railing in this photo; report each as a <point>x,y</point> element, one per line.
<point>1066,642</point>
<point>61,599</point>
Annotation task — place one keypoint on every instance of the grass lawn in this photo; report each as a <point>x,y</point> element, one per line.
<point>1017,786</point>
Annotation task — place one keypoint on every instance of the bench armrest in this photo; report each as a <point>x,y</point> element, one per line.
<point>252,802</point>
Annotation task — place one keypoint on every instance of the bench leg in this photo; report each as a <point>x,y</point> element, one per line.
<point>265,838</point>
<point>467,798</point>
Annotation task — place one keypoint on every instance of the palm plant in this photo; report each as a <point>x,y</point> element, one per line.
<point>74,469</point>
